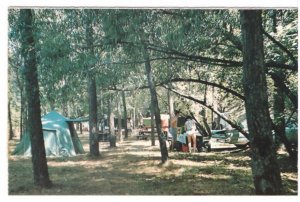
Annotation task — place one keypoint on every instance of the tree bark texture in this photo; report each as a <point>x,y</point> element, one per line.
<point>265,168</point>
<point>80,128</point>
<point>101,117</point>
<point>125,113</point>
<point>111,118</point>
<point>120,121</point>
<point>93,130</point>
<point>76,141</point>
<point>171,104</point>
<point>134,117</point>
<point>152,126</point>
<point>21,114</point>
<point>10,128</point>
<point>274,20</point>
<point>34,129</point>
<point>279,120</point>
<point>21,86</point>
<point>154,103</point>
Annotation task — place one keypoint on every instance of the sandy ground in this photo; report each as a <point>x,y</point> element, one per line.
<point>134,168</point>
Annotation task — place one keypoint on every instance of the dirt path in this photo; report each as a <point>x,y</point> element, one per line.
<point>133,168</point>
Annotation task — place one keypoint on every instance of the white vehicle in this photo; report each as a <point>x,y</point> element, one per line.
<point>227,139</point>
<point>236,138</point>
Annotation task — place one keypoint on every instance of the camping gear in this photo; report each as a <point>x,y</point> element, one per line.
<point>182,138</point>
<point>185,148</point>
<point>60,137</point>
<point>178,146</point>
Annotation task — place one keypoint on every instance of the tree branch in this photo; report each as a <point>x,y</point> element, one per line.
<point>206,60</point>
<point>234,40</point>
<point>282,47</point>
<point>210,84</point>
<point>285,89</point>
<point>195,58</point>
<point>211,108</point>
<point>219,62</point>
<point>282,66</point>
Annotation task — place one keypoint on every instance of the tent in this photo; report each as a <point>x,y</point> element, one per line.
<point>60,137</point>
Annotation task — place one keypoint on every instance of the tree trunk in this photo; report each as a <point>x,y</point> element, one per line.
<point>120,121</point>
<point>265,168</point>
<point>93,129</point>
<point>80,128</point>
<point>111,118</point>
<point>75,139</point>
<point>23,112</point>
<point>125,113</point>
<point>133,117</point>
<point>39,161</point>
<point>154,103</point>
<point>101,112</point>
<point>21,115</point>
<point>212,113</point>
<point>21,86</point>
<point>152,126</point>
<point>10,129</point>
<point>279,118</point>
<point>25,117</point>
<point>274,21</point>
<point>205,130</point>
<point>203,114</point>
<point>171,104</point>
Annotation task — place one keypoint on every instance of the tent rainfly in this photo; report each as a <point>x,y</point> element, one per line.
<point>60,137</point>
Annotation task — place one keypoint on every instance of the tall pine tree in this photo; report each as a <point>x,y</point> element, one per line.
<point>265,168</point>
<point>39,161</point>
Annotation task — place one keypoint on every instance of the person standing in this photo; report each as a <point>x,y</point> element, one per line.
<point>190,128</point>
<point>173,128</point>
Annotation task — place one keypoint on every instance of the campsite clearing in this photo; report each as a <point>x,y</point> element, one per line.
<point>133,168</point>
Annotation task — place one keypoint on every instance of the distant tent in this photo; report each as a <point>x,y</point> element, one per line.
<point>60,137</point>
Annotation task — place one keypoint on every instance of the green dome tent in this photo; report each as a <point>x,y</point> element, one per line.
<point>60,137</point>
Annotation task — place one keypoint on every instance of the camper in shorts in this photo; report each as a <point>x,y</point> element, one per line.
<point>173,128</point>
<point>190,128</point>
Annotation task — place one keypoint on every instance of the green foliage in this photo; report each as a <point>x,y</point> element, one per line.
<point>182,43</point>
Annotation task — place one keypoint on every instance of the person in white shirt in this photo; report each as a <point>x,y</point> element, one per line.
<point>190,128</point>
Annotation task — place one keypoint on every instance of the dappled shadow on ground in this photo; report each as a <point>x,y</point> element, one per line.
<point>134,168</point>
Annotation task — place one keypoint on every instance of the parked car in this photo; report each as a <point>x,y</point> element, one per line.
<point>233,138</point>
<point>227,139</point>
<point>237,138</point>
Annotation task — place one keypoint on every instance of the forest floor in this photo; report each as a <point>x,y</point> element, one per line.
<point>134,168</point>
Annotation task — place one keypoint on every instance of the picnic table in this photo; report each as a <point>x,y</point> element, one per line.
<point>145,130</point>
<point>143,135</point>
